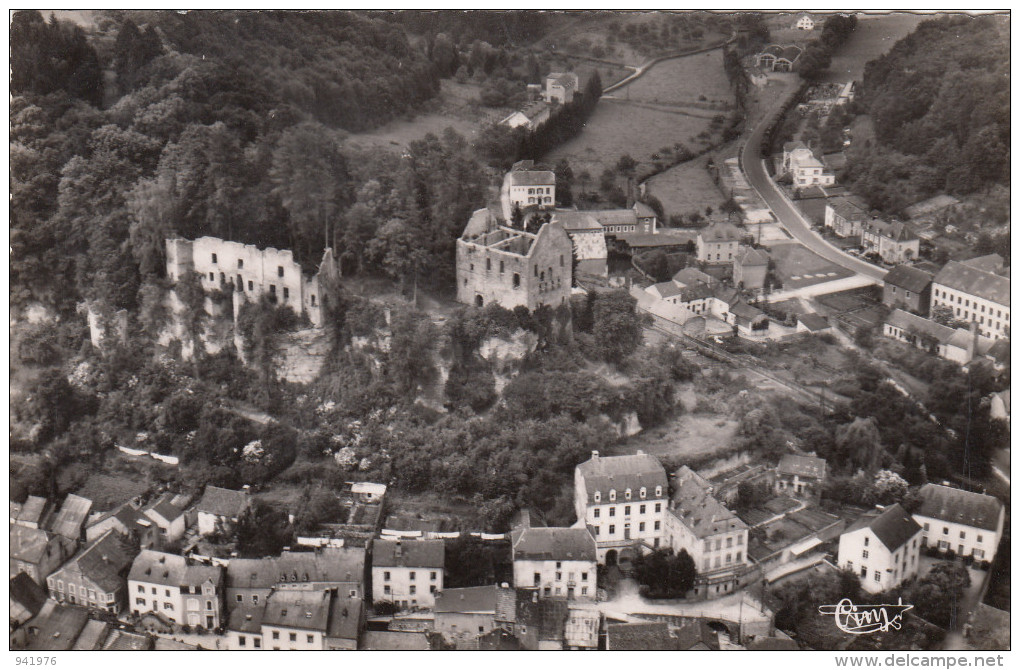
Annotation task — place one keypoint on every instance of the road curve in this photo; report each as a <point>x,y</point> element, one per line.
<point>753,166</point>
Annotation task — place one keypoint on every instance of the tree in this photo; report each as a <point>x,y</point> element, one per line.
<point>890,487</point>
<point>858,444</point>
<point>262,531</point>
<point>472,562</point>
<point>616,325</point>
<point>938,595</point>
<point>663,574</point>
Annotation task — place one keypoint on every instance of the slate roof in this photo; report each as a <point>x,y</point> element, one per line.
<point>700,512</point>
<point>24,591</point>
<point>533,178</point>
<point>696,292</point>
<point>413,553</point>
<point>72,516</point>
<point>976,282</point>
<point>223,502</point>
<point>895,230</point>
<point>389,640</point>
<point>603,473</point>
<point>651,636</point>
<point>796,144</point>
<point>643,211</point>
<point>752,257</point>
<point>33,510</point>
<point>906,321</point>
<point>157,567</point>
<point>29,544</point>
<point>329,565</point>
<point>720,232</point>
<point>107,492</point>
<point>506,605</point>
<point>166,509</point>
<point>577,221</point>
<point>615,217</point>
<point>196,575</point>
<point>802,466</point>
<point>92,636</point>
<point>58,628</point>
<point>690,276</point>
<point>958,506</point>
<point>893,527</point>
<point>909,278</point>
<point>246,618</point>
<point>303,610</point>
<point>470,600</point>
<point>849,209</point>
<point>548,616</point>
<point>813,322</point>
<point>554,544</point>
<point>122,640</point>
<point>989,263</point>
<point>106,561</point>
<point>667,289</point>
<point>344,617</point>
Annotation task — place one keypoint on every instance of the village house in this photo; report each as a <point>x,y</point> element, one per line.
<point>621,499</point>
<point>637,219</point>
<point>408,573</point>
<point>219,509</point>
<point>97,576</point>
<point>691,276</point>
<point>750,267</point>
<point>70,520</point>
<point>894,242</point>
<point>249,581</point>
<point>129,522</point>
<point>465,614</point>
<point>54,628</point>
<point>391,640</point>
<point>804,168</point>
<point>250,272</point>
<point>800,477</point>
<point>883,547</point>
<point>531,116</point>
<point>527,188</point>
<point>26,598</point>
<point>804,22</point>
<point>717,244</point>
<point>974,295</point>
<point>845,215</point>
<point>167,585</point>
<point>588,238</point>
<point>711,534</point>
<point>778,58</point>
<point>966,523</point>
<point>954,344</point>
<point>540,623</point>
<point>244,628</point>
<point>37,553</point>
<point>689,634</point>
<point>907,287</point>
<point>34,513</point>
<point>815,324</point>
<point>560,87</point>
<point>510,267</point>
<point>555,561</point>
<point>296,620</point>
<point>169,519</point>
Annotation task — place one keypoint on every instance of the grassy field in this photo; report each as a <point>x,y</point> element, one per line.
<point>455,107</point>
<point>697,80</point>
<point>686,188</point>
<point>875,35</point>
<point>688,435</point>
<point>798,267</point>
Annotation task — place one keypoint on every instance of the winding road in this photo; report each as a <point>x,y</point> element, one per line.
<point>787,213</point>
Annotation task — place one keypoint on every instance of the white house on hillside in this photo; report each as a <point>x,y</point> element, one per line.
<point>804,22</point>
<point>969,524</point>
<point>555,561</point>
<point>883,548</point>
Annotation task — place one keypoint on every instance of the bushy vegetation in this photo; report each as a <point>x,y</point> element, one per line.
<point>940,109</point>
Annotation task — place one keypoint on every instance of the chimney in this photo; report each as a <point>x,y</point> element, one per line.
<point>504,585</point>
<point>972,343</point>
<point>594,454</point>
<point>398,551</point>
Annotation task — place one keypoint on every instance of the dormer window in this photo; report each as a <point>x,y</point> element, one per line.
<point>658,491</point>
<point>644,492</point>
<point>612,494</point>
<point>626,494</point>
<point>598,496</point>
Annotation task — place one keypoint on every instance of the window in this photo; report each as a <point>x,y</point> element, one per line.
<point>255,599</point>
<point>963,535</point>
<point>658,507</point>
<point>626,494</point>
<point>214,258</point>
<point>167,593</point>
<point>71,589</point>
<point>584,590</point>
<point>729,542</point>
<point>980,538</point>
<point>657,525</point>
<point>313,300</point>
<point>641,509</point>
<point>925,526</point>
<point>279,270</point>
<point>432,575</point>
<point>240,641</point>
<point>612,494</point>
<point>559,576</point>
<point>597,511</point>
<point>612,529</point>
<point>718,544</point>
<point>584,576</point>
<point>641,526</point>
<point>272,289</point>
<point>251,286</point>
<point>626,510</point>
<point>212,276</point>
<point>945,531</point>
<point>729,559</point>
<point>141,589</point>
<point>240,264</point>
<point>488,264</point>
<point>559,565</point>
<point>864,571</point>
<point>738,556</point>
<point>310,638</point>
<point>240,598</point>
<point>658,492</point>
<point>413,575</point>
<point>878,575</point>
<point>286,293</point>
<point>414,589</point>
<point>293,637</point>
<point>140,601</point>
<point>517,284</point>
<point>561,260</point>
<point>866,541</point>
<point>740,540</point>
<point>612,511</point>
<point>386,590</point>
<point>386,575</point>
<point>864,554</point>
<point>208,605</point>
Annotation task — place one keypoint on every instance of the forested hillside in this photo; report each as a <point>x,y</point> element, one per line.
<point>939,102</point>
<point>226,124</point>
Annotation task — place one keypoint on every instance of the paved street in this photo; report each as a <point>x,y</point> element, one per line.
<point>787,213</point>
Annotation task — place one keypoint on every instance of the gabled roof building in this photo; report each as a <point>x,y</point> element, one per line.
<point>966,523</point>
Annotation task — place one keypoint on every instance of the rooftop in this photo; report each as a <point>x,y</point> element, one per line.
<point>107,492</point>
<point>473,599</point>
<point>689,276</point>
<point>24,591</point>
<point>92,636</point>
<point>893,526</point>
<point>344,617</point>
<point>813,322</point>
<point>667,289</point>
<point>57,627</point>
<point>29,544</point>
<point>803,466</point>
<point>106,561</point>
<point>909,278</point>
<point>157,567</point>
<point>532,178</point>
<point>246,618</point>
<point>973,281</point>
<point>408,553</point>
<point>576,221</point>
<point>619,473</point>
<point>615,217</point>
<point>33,510</point>
<point>554,544</point>
<point>165,509</point>
<point>303,610</point>
<point>720,232</point>
<point>72,516</point>
<point>326,565</point>
<point>223,502</point>
<point>389,640</point>
<point>693,504</point>
<point>751,257</point>
<point>894,230</point>
<point>911,322</point>
<point>958,506</point>
<point>850,209</point>
<point>989,263</point>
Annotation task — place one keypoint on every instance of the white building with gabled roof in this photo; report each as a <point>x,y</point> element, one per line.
<point>967,523</point>
<point>882,547</point>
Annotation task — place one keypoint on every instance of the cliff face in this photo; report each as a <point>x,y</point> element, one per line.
<point>302,355</point>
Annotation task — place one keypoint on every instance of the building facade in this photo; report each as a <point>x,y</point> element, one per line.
<point>408,573</point>
<point>510,267</point>
<point>969,524</point>
<point>908,288</point>
<point>974,295</point>
<point>845,216</point>
<point>525,187</point>
<point>800,476</point>
<point>185,594</point>
<point>96,577</point>
<point>894,242</point>
<point>219,509</point>
<point>882,548</point>
<point>556,562</point>
<point>560,87</point>
<point>718,243</point>
<point>37,553</point>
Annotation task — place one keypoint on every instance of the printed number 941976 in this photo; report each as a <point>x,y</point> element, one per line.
<point>35,660</point>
